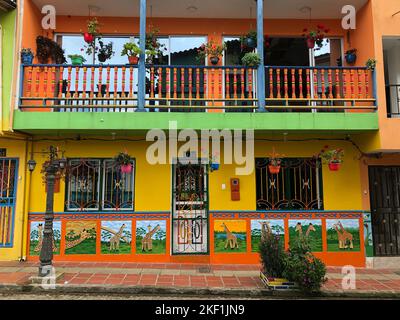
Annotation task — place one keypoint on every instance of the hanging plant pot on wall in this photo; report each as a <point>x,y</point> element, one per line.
<point>351,56</point>
<point>214,60</point>
<point>274,169</point>
<point>126,168</point>
<point>214,166</point>
<point>88,37</point>
<point>334,166</point>
<point>310,43</point>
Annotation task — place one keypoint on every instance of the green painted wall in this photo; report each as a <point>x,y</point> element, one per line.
<point>7,22</point>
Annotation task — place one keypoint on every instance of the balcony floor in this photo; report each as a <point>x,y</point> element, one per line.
<point>137,122</point>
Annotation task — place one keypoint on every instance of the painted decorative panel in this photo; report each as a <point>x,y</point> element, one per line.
<point>368,241</point>
<point>311,229</point>
<point>259,228</point>
<point>343,234</point>
<point>151,236</point>
<point>230,236</point>
<point>36,237</point>
<point>116,237</point>
<point>80,237</point>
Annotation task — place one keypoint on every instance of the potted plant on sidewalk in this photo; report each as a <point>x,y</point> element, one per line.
<point>133,51</point>
<point>124,161</point>
<point>212,50</point>
<point>27,56</point>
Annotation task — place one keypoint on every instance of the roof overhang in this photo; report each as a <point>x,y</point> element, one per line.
<point>7,5</point>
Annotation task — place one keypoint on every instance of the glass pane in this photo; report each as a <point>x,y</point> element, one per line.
<point>184,50</point>
<point>233,52</point>
<point>118,44</point>
<point>287,52</point>
<point>75,45</point>
<point>330,54</point>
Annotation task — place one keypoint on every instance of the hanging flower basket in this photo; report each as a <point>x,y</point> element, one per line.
<point>214,60</point>
<point>124,161</point>
<point>310,43</point>
<point>126,168</point>
<point>88,37</point>
<point>274,169</point>
<point>334,166</point>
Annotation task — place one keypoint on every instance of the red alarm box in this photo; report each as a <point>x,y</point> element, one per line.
<point>235,189</point>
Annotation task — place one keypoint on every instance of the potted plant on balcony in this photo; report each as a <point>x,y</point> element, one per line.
<point>154,48</point>
<point>26,56</point>
<point>315,36</point>
<point>47,49</point>
<point>334,158</point>
<point>124,161</point>
<point>249,41</point>
<point>371,64</point>
<point>105,51</point>
<point>131,50</point>
<point>76,59</point>
<point>251,59</point>
<point>212,50</point>
<point>351,56</point>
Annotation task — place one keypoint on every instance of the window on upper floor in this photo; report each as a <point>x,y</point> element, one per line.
<point>297,186</point>
<point>98,184</point>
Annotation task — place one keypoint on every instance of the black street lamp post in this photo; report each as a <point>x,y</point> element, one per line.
<point>54,165</point>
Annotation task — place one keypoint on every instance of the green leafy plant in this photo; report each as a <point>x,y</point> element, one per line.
<point>123,158</point>
<point>154,48</point>
<point>93,26</point>
<point>76,56</point>
<point>371,64</point>
<point>303,268</point>
<point>210,49</point>
<point>105,51</point>
<point>272,255</point>
<point>333,156</point>
<point>48,49</point>
<point>251,59</point>
<point>131,50</point>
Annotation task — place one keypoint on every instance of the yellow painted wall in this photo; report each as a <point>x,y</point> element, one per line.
<point>153,183</point>
<point>16,149</point>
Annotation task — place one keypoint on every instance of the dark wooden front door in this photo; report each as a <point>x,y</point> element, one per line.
<point>385,207</point>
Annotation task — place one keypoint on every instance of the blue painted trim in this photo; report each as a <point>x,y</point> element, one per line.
<point>260,51</point>
<point>142,58</point>
<point>102,212</point>
<point>10,244</point>
<point>289,211</point>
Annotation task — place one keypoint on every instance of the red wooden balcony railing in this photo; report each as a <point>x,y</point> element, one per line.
<point>113,88</point>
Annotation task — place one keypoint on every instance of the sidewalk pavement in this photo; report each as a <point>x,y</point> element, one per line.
<point>239,280</point>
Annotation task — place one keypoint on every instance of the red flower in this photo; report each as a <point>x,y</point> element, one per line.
<point>327,30</point>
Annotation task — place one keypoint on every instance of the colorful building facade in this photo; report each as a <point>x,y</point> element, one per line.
<point>297,102</point>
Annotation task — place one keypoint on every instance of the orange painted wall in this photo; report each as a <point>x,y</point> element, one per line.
<point>31,25</point>
<point>385,25</point>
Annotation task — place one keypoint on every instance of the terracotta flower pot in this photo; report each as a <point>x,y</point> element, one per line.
<point>126,168</point>
<point>89,38</point>
<point>334,166</point>
<point>133,59</point>
<point>310,43</point>
<point>274,169</point>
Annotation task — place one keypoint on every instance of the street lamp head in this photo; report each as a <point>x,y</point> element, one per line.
<point>31,165</point>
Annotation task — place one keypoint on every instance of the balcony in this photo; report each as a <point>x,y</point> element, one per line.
<point>114,88</point>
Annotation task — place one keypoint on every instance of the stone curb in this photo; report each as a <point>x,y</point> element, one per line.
<point>186,291</point>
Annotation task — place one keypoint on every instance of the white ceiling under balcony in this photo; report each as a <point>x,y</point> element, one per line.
<point>291,9</point>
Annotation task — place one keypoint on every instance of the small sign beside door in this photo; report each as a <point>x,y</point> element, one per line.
<point>3,152</point>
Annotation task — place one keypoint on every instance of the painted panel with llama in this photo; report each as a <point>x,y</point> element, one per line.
<point>230,236</point>
<point>261,227</point>
<point>343,234</point>
<point>116,237</point>
<point>80,237</point>
<point>36,237</point>
<point>310,229</point>
<point>151,236</point>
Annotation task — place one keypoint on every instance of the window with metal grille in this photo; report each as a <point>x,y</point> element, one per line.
<point>96,184</point>
<point>297,186</point>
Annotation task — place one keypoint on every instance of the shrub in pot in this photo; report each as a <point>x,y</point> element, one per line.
<point>212,50</point>
<point>272,255</point>
<point>315,37</point>
<point>303,268</point>
<point>47,49</point>
<point>105,51</point>
<point>371,64</point>
<point>334,158</point>
<point>248,42</point>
